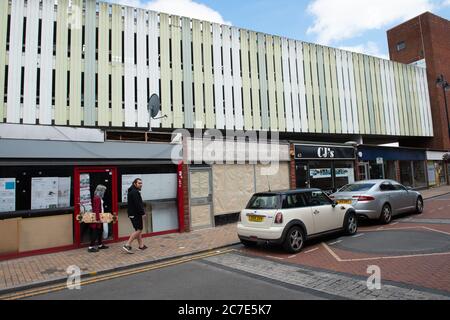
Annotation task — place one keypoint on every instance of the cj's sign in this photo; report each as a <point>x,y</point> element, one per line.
<point>309,152</point>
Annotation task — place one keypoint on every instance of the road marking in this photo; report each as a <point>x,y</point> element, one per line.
<point>111,276</point>
<point>440,209</point>
<point>332,252</point>
<point>336,242</point>
<point>358,235</point>
<point>293,256</point>
<point>312,250</point>
<point>277,258</point>
<point>393,224</point>
<point>439,231</point>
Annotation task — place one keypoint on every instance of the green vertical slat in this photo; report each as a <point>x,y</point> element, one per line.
<point>3,24</point>
<point>198,74</point>
<point>329,90</point>
<point>358,93</point>
<point>177,75</point>
<point>399,99</point>
<point>90,64</point>
<point>209,80</point>
<point>271,82</point>
<point>117,67</point>
<point>380,97</point>
<point>404,104</point>
<point>187,74</point>
<point>335,89</point>
<point>309,88</point>
<point>362,77</point>
<point>376,109</point>
<point>61,64</point>
<point>322,90</point>
<point>255,81</point>
<point>412,93</point>
<point>165,71</point>
<point>103,62</point>
<point>75,64</point>
<point>419,115</point>
<point>246,84</point>
<point>279,84</point>
<point>265,121</point>
<point>316,92</point>
<point>367,73</point>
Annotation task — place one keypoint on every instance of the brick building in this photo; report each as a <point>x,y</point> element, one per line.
<point>425,40</point>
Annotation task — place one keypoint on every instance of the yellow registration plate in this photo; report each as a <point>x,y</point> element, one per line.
<point>255,218</point>
<point>344,201</point>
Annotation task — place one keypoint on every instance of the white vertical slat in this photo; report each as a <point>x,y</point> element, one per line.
<point>31,62</point>
<point>423,101</point>
<point>130,113</point>
<point>45,90</point>
<point>142,69</point>
<point>421,120</point>
<point>354,103</point>
<point>237,79</point>
<point>154,72</point>
<point>294,86</point>
<point>340,77</point>
<point>302,88</point>
<point>427,102</point>
<point>345,71</point>
<point>218,77</point>
<point>386,104</point>
<point>287,86</point>
<point>390,98</point>
<point>15,61</point>
<point>228,80</point>
<point>394,98</point>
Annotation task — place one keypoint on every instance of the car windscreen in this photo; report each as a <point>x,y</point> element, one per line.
<point>264,202</point>
<point>359,187</point>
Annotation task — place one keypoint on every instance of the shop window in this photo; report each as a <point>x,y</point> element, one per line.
<point>419,174</point>
<point>320,175</point>
<point>36,188</point>
<point>406,177</point>
<point>376,170</point>
<point>401,46</point>
<point>390,170</point>
<point>344,173</point>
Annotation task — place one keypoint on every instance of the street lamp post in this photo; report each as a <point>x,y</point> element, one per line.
<point>441,82</point>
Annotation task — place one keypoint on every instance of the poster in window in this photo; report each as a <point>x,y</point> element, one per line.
<point>346,173</point>
<point>320,173</point>
<point>7,194</point>
<point>44,193</point>
<point>85,193</point>
<point>127,181</point>
<point>64,192</point>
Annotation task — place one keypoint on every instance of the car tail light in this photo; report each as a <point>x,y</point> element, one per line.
<point>364,198</point>
<point>279,218</point>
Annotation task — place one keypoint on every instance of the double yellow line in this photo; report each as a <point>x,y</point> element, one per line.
<point>113,275</point>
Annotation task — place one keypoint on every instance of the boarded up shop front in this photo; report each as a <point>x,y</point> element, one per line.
<point>218,192</point>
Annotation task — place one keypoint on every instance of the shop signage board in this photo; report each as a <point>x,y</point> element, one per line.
<point>309,152</point>
<point>7,194</point>
<point>380,160</point>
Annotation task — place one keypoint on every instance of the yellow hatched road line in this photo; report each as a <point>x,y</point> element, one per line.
<point>114,275</point>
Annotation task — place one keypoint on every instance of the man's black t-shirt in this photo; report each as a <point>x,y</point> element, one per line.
<point>135,204</point>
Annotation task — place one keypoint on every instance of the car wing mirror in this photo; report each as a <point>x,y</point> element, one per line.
<point>334,204</point>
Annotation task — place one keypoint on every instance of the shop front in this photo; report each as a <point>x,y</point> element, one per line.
<point>436,169</point>
<point>327,167</point>
<point>46,185</point>
<point>404,165</point>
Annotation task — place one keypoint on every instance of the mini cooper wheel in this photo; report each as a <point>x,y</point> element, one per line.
<point>386,214</point>
<point>295,240</point>
<point>419,205</point>
<point>351,227</point>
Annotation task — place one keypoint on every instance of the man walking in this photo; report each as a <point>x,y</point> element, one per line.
<point>136,213</point>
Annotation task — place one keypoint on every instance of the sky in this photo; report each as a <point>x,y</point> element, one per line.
<point>354,25</point>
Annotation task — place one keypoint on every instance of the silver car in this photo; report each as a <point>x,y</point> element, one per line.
<point>379,199</point>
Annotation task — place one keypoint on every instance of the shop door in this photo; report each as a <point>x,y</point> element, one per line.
<point>85,183</point>
<point>200,191</point>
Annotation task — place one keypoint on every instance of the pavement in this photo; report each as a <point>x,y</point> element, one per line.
<point>36,271</point>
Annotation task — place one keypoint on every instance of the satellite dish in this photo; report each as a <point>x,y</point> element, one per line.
<point>154,105</point>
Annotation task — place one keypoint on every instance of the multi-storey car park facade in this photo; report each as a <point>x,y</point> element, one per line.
<point>78,75</point>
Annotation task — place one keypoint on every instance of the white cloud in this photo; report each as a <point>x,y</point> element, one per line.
<point>344,19</point>
<point>184,8</point>
<point>370,48</point>
<point>446,3</point>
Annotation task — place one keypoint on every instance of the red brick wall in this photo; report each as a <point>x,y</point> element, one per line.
<point>427,36</point>
<point>186,198</point>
